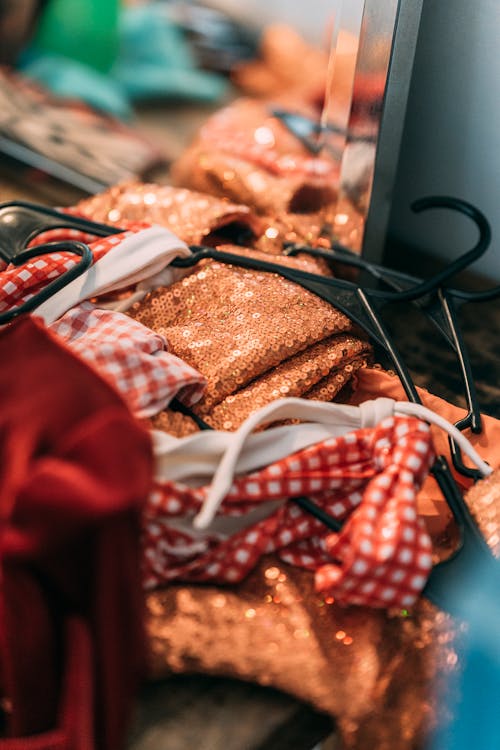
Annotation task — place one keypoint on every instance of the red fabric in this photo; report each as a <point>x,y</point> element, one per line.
<point>370,477</point>
<point>71,641</point>
<point>373,383</point>
<point>229,132</point>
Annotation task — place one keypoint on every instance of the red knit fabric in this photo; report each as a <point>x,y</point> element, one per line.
<point>71,641</point>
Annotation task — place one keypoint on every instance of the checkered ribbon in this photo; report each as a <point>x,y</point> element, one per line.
<point>368,478</point>
<point>18,284</point>
<point>131,357</point>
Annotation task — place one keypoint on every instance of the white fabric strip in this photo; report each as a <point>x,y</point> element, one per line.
<point>223,527</point>
<point>165,277</point>
<point>427,415</point>
<point>138,257</point>
<point>345,417</point>
<point>194,459</point>
<point>351,417</point>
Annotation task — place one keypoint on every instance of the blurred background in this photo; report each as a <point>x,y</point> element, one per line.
<point>117,55</point>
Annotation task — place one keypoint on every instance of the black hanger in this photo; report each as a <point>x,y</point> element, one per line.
<point>361,305</point>
<point>438,302</point>
<point>21,222</point>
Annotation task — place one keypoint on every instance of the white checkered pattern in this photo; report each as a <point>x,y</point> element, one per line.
<point>19,283</point>
<point>369,478</point>
<point>131,357</point>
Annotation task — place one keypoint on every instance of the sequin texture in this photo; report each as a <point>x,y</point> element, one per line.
<point>484,501</point>
<point>195,217</point>
<point>244,154</point>
<point>235,324</point>
<point>273,629</point>
<point>319,373</point>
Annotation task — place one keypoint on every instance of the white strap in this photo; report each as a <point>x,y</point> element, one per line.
<point>351,417</point>
<point>194,460</point>
<point>427,415</point>
<point>367,414</point>
<point>166,277</point>
<point>140,256</point>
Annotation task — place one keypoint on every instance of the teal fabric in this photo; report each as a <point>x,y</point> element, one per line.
<point>71,79</point>
<point>83,30</point>
<point>476,706</point>
<point>153,62</point>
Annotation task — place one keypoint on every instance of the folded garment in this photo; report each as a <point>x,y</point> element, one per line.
<point>237,325</point>
<point>244,153</point>
<point>130,357</point>
<point>200,218</point>
<point>381,557</point>
<point>383,549</point>
<point>249,156</point>
<point>320,372</point>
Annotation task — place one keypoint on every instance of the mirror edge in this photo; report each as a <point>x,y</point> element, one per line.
<point>391,127</point>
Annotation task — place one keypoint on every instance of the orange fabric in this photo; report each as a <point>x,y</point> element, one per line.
<point>373,383</point>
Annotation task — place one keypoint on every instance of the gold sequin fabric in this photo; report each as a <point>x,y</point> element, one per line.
<point>377,673</point>
<point>194,217</point>
<point>371,670</point>
<point>246,155</point>
<point>340,222</point>
<point>236,324</point>
<point>220,173</point>
<point>483,500</point>
<point>318,373</point>
<point>203,219</point>
<point>242,150</point>
<point>174,423</point>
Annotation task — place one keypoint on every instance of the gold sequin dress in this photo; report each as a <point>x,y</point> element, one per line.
<point>244,153</point>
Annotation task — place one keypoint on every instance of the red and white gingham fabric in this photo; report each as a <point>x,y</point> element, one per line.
<point>369,478</point>
<point>131,357</point>
<point>18,284</point>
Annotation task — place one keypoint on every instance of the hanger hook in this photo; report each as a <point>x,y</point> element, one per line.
<point>466,209</point>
